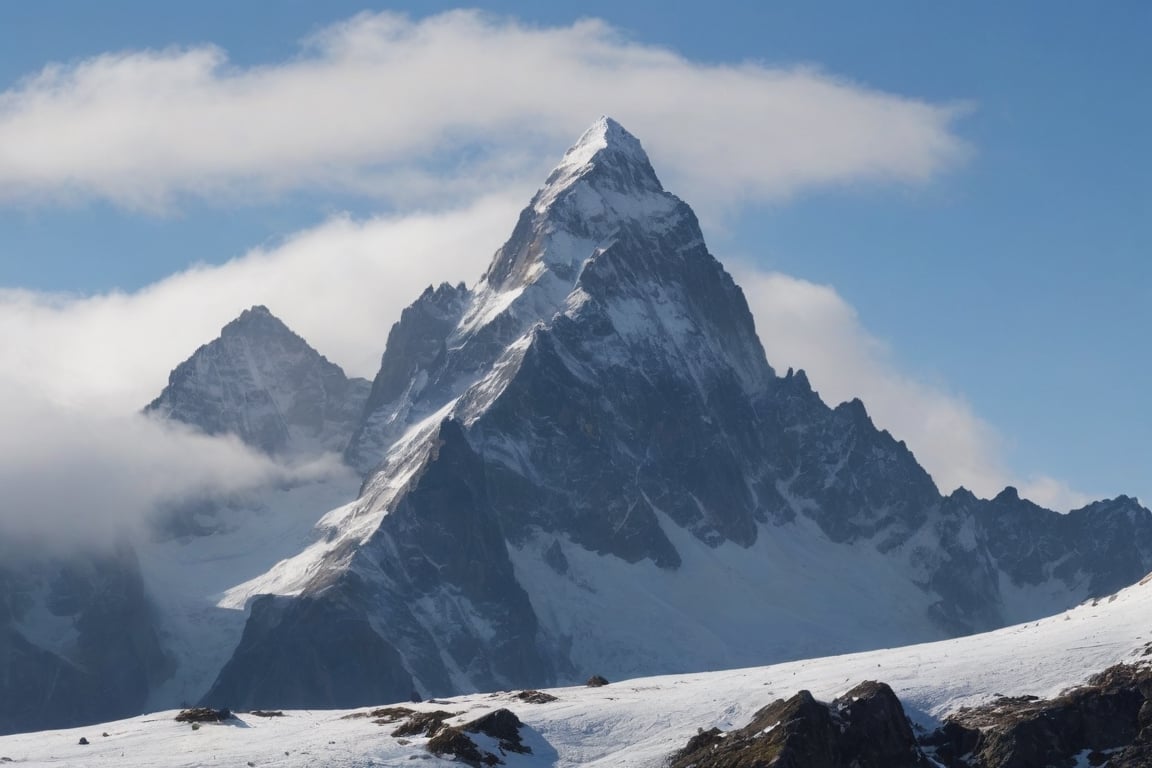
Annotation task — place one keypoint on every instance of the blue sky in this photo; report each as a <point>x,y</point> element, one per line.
<point>1011,276</point>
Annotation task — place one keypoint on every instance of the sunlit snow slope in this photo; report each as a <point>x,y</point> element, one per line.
<point>640,722</point>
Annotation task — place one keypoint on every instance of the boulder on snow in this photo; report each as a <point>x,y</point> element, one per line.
<point>203,715</point>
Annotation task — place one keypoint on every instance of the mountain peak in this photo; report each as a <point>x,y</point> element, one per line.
<point>604,135</point>
<point>256,310</point>
<point>257,316</point>
<point>603,182</point>
<point>609,157</point>
<point>262,382</point>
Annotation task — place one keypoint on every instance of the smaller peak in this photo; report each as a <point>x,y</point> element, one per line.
<point>1008,494</point>
<point>257,316</point>
<point>256,310</point>
<point>855,408</point>
<point>963,494</point>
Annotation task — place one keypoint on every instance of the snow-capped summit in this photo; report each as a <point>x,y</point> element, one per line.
<point>603,195</point>
<point>604,182</point>
<point>608,156</point>
<point>266,385</point>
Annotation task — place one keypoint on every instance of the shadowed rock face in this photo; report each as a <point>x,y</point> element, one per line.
<point>360,640</point>
<point>78,640</point>
<point>417,344</point>
<point>264,384</point>
<point>308,653</point>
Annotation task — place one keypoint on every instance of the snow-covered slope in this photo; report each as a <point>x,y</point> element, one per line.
<point>639,722</point>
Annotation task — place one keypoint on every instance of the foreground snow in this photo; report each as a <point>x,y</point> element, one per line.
<point>638,722</point>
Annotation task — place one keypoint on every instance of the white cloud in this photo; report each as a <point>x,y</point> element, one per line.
<point>810,326</point>
<point>76,459</point>
<point>77,476</point>
<point>342,284</point>
<point>382,104</point>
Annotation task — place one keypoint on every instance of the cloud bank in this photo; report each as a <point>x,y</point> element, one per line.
<point>78,462</point>
<point>341,285</point>
<point>442,108</point>
<point>74,476</point>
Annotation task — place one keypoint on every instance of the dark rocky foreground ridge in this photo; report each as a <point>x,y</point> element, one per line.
<point>1107,721</point>
<point>582,463</point>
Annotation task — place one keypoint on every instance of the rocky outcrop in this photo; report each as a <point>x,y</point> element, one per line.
<point>1105,722</point>
<point>501,727</point>
<point>1108,721</point>
<point>864,728</point>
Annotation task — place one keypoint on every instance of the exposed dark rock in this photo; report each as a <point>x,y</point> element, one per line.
<point>423,723</point>
<point>83,741</point>
<point>203,715</point>
<point>596,681</point>
<point>383,715</point>
<point>116,658</point>
<point>500,724</point>
<point>454,743</point>
<point>1107,716</point>
<point>305,652</point>
<point>865,728</point>
<point>555,558</point>
<point>535,697</point>
<point>266,713</point>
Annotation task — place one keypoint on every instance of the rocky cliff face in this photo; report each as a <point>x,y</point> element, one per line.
<point>585,463</point>
<point>264,384</point>
<point>78,639</point>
